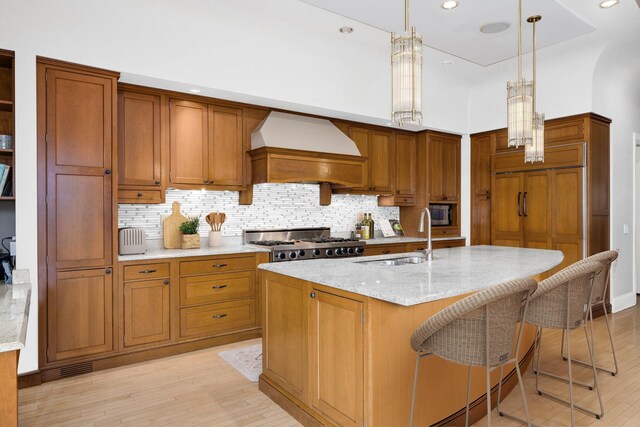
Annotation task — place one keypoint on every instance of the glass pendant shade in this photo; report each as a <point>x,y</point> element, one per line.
<point>534,152</point>
<point>406,77</point>
<point>520,112</point>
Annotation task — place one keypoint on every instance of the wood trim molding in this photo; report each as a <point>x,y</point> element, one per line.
<point>49,62</point>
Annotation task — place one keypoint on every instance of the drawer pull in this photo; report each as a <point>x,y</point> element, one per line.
<point>219,287</point>
<point>386,252</point>
<point>148,271</point>
<point>166,282</point>
<point>139,194</point>
<point>219,265</point>
<point>218,316</point>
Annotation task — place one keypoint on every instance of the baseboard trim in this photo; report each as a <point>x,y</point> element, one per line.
<point>623,302</point>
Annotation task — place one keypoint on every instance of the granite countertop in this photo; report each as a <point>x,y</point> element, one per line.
<point>226,248</point>
<point>14,315</point>
<point>454,271</point>
<point>406,239</point>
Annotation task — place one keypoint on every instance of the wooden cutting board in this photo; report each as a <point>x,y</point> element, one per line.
<point>171,228</point>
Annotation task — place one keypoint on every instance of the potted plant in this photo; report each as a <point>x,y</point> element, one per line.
<point>190,236</point>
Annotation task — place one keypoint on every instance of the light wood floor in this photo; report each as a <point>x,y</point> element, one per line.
<point>200,389</point>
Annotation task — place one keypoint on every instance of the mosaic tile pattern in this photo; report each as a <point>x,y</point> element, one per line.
<point>274,206</point>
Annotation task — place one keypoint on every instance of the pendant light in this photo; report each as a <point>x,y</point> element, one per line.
<point>520,100</point>
<point>406,74</point>
<point>534,151</point>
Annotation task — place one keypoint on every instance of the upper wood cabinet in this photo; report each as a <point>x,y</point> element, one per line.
<point>139,148</point>
<point>189,142</point>
<point>443,165</point>
<point>226,150</point>
<point>378,147</point>
<point>207,148</point>
<point>481,189</point>
<point>406,157</point>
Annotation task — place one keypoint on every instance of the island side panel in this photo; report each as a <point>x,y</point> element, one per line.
<point>442,384</point>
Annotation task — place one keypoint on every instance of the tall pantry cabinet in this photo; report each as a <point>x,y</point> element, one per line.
<point>76,145</point>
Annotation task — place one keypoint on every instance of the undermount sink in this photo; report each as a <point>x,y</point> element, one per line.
<point>396,261</point>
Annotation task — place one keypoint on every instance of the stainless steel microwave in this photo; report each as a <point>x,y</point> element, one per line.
<point>440,215</point>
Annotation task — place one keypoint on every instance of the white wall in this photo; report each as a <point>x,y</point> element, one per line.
<point>282,53</point>
<point>616,94</point>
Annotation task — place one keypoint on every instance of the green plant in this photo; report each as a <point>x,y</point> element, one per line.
<point>190,226</point>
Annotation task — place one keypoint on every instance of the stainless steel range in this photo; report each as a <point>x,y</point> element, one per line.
<point>304,243</point>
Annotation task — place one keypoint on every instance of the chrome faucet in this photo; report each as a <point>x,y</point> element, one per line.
<point>429,251</point>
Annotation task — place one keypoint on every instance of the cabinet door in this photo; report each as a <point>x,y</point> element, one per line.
<point>406,155</point>
<point>226,150</point>
<point>139,139</point>
<point>79,180</point>
<point>362,138</point>
<point>481,190</point>
<point>189,142</point>
<point>79,311</point>
<point>146,312</point>
<point>285,341</point>
<point>506,210</point>
<point>337,357</point>
<point>450,169</point>
<point>536,209</point>
<point>435,168</point>
<point>381,161</point>
<point>567,219</point>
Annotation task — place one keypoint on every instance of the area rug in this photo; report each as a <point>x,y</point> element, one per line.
<point>246,360</point>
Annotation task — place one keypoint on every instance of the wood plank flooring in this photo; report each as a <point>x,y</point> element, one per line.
<point>200,389</point>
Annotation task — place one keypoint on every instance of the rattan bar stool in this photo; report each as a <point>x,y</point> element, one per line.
<point>601,285</point>
<point>478,330</point>
<point>562,302</point>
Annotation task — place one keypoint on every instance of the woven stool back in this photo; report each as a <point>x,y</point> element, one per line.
<point>601,281</point>
<point>564,297</point>
<point>464,331</point>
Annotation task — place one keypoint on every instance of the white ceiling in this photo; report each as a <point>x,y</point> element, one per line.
<point>456,31</point>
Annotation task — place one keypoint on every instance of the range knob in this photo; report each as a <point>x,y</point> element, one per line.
<point>316,252</point>
<point>282,256</point>
<point>359,250</point>
<point>301,253</point>
<point>339,251</point>
<point>329,252</point>
<point>293,255</point>
<point>350,251</point>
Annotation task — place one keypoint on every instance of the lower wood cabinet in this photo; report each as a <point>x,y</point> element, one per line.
<point>385,249</point>
<point>313,348</point>
<point>337,357</point>
<point>146,312</point>
<point>398,248</point>
<point>79,313</point>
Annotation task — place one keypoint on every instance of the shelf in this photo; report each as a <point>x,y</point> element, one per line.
<point>8,198</point>
<point>6,150</point>
<point>6,105</point>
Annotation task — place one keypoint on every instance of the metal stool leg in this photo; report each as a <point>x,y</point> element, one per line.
<point>561,378</point>
<point>415,383</point>
<point>592,356</point>
<point>488,370</point>
<point>466,413</point>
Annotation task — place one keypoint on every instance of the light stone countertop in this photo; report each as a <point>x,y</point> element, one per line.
<point>14,315</point>
<point>407,239</point>
<point>453,272</point>
<point>227,248</point>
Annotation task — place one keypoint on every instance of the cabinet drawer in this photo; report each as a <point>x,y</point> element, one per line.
<point>442,244</point>
<point>217,318</point>
<point>146,271</point>
<point>141,196</point>
<point>384,249</point>
<point>564,131</point>
<point>405,200</point>
<point>217,265</point>
<point>216,288</point>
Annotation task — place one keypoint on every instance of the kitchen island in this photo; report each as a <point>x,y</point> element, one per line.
<point>336,333</point>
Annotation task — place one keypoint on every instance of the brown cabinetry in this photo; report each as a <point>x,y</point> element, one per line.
<point>443,168</point>
<point>76,128</point>
<point>313,347</point>
<point>139,148</point>
<point>206,145</point>
<point>337,357</point>
<point>481,189</point>
<point>146,312</point>
<point>404,190</point>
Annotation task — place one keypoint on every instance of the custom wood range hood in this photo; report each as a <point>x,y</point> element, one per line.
<point>288,148</point>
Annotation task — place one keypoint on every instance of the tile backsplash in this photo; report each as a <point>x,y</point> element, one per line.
<point>274,206</point>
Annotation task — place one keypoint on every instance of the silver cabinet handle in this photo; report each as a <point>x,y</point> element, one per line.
<point>219,265</point>
<point>147,271</point>
<point>219,287</point>
<point>218,316</point>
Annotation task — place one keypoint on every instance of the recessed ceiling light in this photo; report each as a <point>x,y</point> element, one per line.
<point>450,4</point>
<point>346,30</point>
<point>494,27</point>
<point>446,62</point>
<point>194,90</point>
<point>606,4</point>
